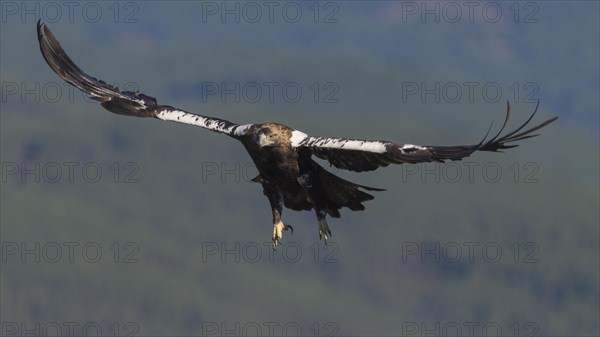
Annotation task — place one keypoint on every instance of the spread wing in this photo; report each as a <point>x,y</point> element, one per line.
<point>122,102</point>
<point>368,155</point>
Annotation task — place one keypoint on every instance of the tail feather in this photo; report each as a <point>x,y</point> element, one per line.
<point>343,193</point>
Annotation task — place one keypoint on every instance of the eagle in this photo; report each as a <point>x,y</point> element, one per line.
<point>283,156</point>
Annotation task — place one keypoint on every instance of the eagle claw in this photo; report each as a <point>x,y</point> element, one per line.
<point>324,231</point>
<point>276,242</point>
<point>278,229</point>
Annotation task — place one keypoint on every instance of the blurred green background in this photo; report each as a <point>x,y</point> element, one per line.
<point>157,231</point>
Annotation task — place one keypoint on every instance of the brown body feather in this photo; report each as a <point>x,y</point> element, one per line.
<point>302,183</point>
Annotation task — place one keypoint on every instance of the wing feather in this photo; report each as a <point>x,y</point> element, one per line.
<point>122,102</point>
<point>368,155</point>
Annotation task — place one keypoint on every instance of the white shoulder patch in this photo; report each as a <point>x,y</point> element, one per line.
<point>412,146</point>
<point>297,138</point>
<point>184,117</point>
<point>374,146</point>
<point>240,130</point>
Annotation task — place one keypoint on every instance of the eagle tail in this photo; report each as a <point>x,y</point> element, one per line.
<point>343,193</point>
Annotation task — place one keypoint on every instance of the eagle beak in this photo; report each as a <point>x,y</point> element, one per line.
<point>263,140</point>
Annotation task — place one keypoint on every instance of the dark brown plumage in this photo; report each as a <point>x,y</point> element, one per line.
<point>283,156</point>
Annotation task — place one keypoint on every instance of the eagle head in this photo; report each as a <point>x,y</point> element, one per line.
<point>270,137</point>
<point>266,138</point>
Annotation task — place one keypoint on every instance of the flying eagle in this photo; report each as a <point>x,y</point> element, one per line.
<point>283,156</point>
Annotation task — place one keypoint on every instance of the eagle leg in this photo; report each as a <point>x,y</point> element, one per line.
<point>276,202</point>
<point>324,231</point>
